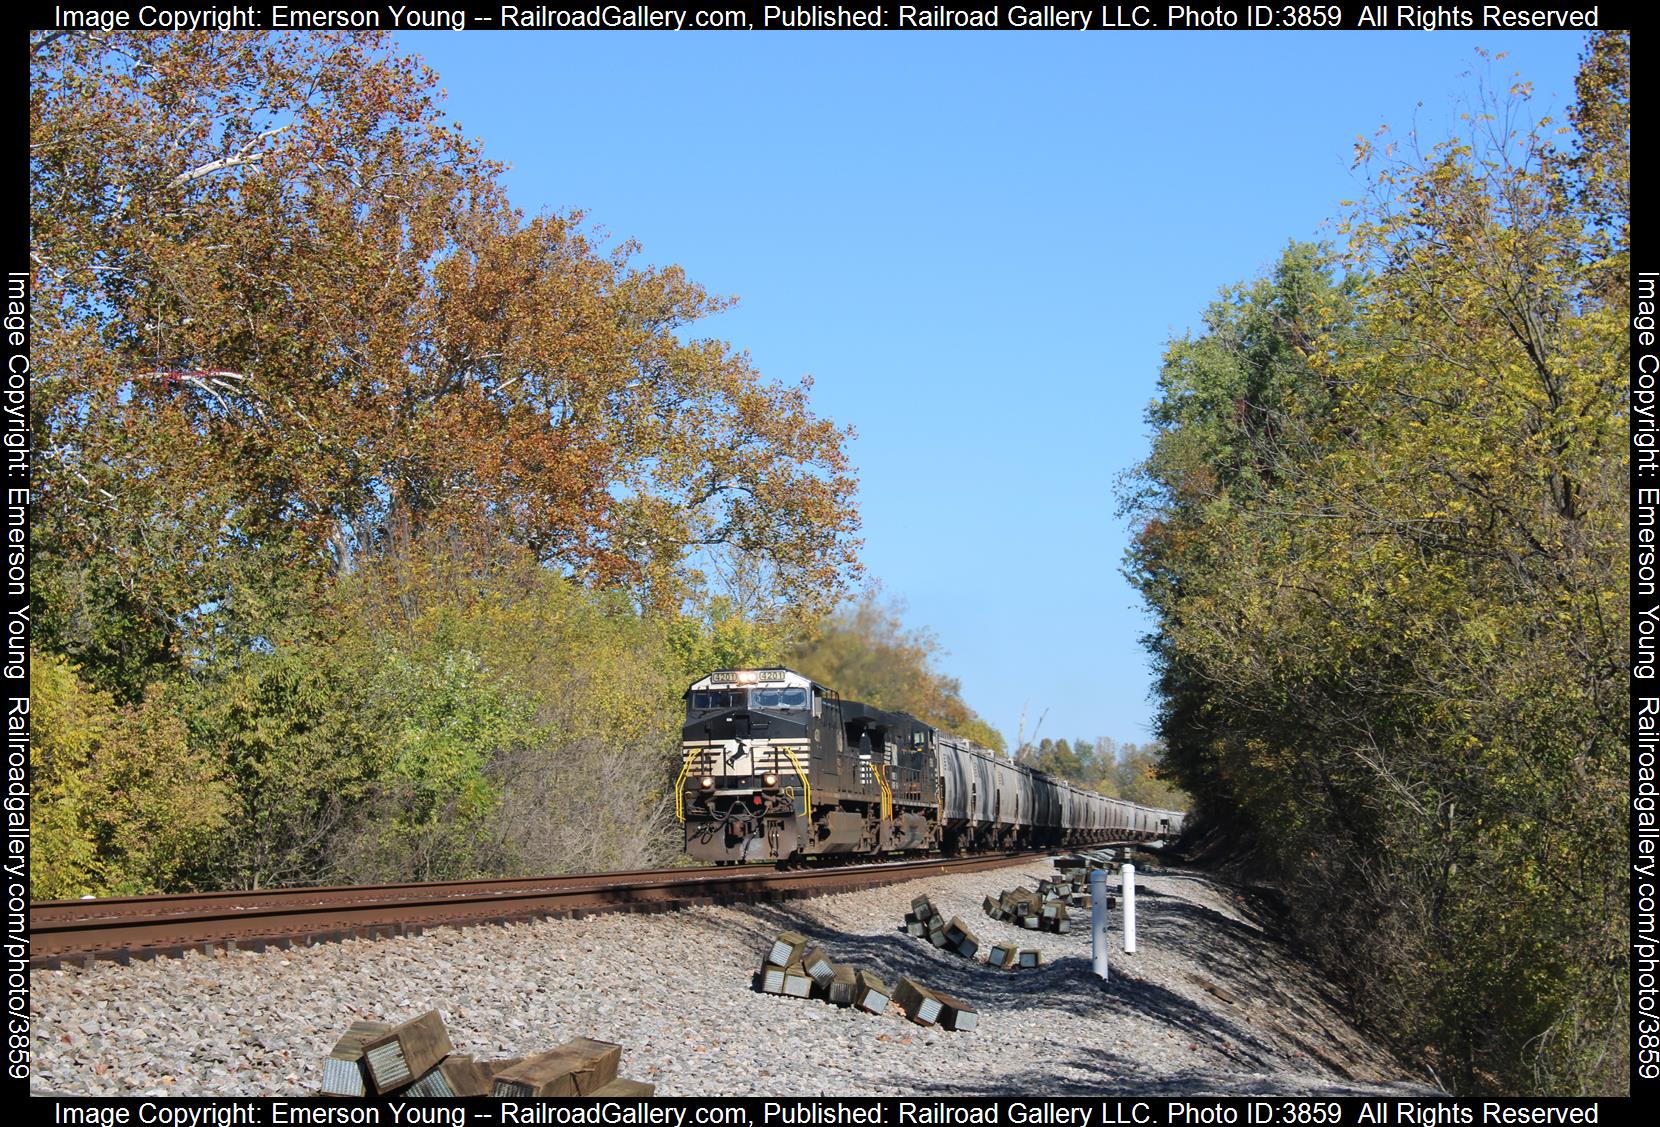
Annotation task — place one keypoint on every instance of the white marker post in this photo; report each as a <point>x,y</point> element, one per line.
<point>1129,909</point>
<point>1098,921</point>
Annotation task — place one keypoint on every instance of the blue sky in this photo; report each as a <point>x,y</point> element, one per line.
<point>978,245</point>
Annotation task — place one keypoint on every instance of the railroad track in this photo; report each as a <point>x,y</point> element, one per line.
<point>124,928</point>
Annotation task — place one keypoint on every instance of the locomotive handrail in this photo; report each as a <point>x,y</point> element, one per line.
<point>806,783</point>
<point>680,782</point>
<point>887,791</point>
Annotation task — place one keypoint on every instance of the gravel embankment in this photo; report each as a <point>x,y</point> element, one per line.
<point>1210,1004</point>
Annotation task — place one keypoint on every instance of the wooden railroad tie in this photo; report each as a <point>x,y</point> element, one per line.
<point>870,993</point>
<point>918,1002</point>
<point>787,949</point>
<point>843,986</point>
<point>452,1077</point>
<point>791,981</point>
<point>819,967</point>
<point>400,1056</point>
<point>957,1015</point>
<point>926,1006</point>
<point>579,1067</point>
<point>344,1073</point>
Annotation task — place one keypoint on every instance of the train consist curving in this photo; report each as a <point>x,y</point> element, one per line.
<point>776,766</point>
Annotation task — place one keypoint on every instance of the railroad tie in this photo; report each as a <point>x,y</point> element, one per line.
<point>797,982</point>
<point>407,1051</point>
<point>344,1073</point>
<point>819,966</point>
<point>787,949</point>
<point>579,1067</point>
<point>919,1003</point>
<point>454,1076</point>
<point>843,986</point>
<point>871,993</point>
<point>957,1015</point>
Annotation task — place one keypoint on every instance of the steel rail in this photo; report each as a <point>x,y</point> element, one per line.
<point>123,928</point>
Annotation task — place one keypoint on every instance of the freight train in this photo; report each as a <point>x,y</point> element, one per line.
<point>776,766</point>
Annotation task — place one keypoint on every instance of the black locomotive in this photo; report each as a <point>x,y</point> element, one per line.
<point>776,766</point>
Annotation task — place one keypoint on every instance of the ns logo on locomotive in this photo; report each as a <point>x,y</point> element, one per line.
<point>777,766</point>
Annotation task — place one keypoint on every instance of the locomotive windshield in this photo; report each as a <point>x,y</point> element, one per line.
<point>778,698</point>
<point>718,700</point>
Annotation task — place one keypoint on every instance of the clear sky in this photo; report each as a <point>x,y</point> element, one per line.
<point>978,244</point>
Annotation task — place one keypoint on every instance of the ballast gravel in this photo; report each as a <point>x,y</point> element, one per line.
<point>1210,1004</point>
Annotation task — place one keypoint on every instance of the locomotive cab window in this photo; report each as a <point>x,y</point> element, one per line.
<point>718,700</point>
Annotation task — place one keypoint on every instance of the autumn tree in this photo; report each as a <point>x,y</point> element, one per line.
<point>287,321</point>
<point>865,652</point>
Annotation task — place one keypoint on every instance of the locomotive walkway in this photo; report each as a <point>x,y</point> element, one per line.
<point>123,928</point>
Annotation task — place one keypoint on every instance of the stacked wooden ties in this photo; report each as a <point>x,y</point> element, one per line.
<point>416,1059</point>
<point>795,970</point>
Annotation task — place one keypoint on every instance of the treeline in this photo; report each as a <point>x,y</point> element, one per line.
<point>378,526</point>
<point>1382,531</point>
<point>866,653</point>
<point>1133,772</point>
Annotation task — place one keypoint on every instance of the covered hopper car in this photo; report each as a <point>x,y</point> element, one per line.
<point>776,766</point>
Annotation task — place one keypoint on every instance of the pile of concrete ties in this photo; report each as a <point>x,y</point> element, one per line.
<point>416,1059</point>
<point>793,969</point>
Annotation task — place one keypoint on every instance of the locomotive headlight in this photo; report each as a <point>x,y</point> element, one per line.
<point>707,783</point>
<point>769,780</point>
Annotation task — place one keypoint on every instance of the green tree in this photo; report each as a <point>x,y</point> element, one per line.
<point>1381,534</point>
<point>124,804</point>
